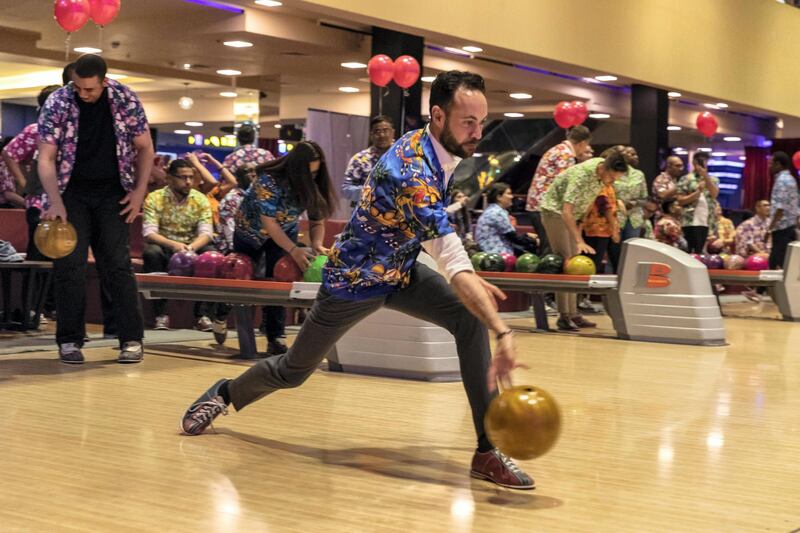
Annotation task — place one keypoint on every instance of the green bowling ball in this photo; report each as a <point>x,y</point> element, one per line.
<point>551,264</point>
<point>476,259</point>
<point>313,273</point>
<point>528,263</point>
<point>493,263</point>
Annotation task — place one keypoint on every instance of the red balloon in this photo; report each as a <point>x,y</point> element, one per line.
<point>71,14</point>
<point>796,159</point>
<point>581,111</point>
<point>104,11</point>
<point>406,71</point>
<point>287,270</point>
<point>707,124</point>
<point>565,114</point>
<point>380,69</point>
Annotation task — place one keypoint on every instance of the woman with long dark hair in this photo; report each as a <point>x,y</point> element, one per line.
<point>266,224</point>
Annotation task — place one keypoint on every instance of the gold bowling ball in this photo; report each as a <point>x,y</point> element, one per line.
<point>523,422</point>
<point>55,239</point>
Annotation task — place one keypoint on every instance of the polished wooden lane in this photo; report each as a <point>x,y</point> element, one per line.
<point>656,438</point>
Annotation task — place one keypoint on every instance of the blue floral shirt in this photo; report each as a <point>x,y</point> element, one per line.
<point>270,198</point>
<point>402,205</point>
<point>357,171</point>
<point>491,228</point>
<point>784,196</point>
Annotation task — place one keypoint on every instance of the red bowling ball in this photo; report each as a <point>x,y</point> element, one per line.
<point>756,262</point>
<point>510,260</point>
<point>287,270</point>
<point>208,265</point>
<point>237,266</point>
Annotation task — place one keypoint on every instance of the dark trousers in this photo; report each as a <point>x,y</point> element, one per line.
<point>273,318</point>
<point>696,237</point>
<point>538,227</point>
<point>600,245</point>
<point>615,248</point>
<point>428,297</point>
<point>156,259</point>
<point>780,242</point>
<point>98,223</point>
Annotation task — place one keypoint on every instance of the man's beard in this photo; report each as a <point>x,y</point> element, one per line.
<point>450,143</point>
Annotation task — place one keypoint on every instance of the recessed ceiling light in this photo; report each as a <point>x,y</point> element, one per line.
<point>474,49</point>
<point>349,89</point>
<point>277,126</point>
<point>599,115</point>
<point>779,123</point>
<point>732,139</point>
<point>230,136</point>
<point>606,77</point>
<point>238,44</point>
<point>674,94</point>
<point>674,128</point>
<point>354,64</point>
<point>87,50</point>
<point>513,115</point>
<point>722,105</point>
<point>679,149</point>
<point>704,149</point>
<point>116,76</point>
<point>428,79</point>
<point>521,96</point>
<point>269,3</point>
<point>228,72</point>
<point>719,154</point>
<point>183,132</point>
<point>229,94</point>
<point>193,124</point>
<point>187,66</point>
<point>458,51</point>
<point>742,158</point>
<point>711,106</point>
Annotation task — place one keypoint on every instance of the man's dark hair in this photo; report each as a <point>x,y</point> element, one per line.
<point>496,190</point>
<point>377,119</point>
<point>176,165</point>
<point>91,65</point>
<point>45,93</point>
<point>243,179</point>
<point>782,158</point>
<point>444,87</point>
<point>614,160</point>
<point>66,74</point>
<point>579,134</point>
<point>246,134</point>
<point>700,158</point>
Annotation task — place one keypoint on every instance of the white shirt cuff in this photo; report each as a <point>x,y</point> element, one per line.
<point>449,254</point>
<point>149,229</point>
<point>205,229</point>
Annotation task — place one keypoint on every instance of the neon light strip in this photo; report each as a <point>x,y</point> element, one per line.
<point>217,5</point>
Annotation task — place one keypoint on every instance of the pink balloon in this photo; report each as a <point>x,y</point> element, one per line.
<point>796,159</point>
<point>581,111</point>
<point>406,71</point>
<point>707,124</point>
<point>565,114</point>
<point>380,69</point>
<point>104,11</point>
<point>71,14</point>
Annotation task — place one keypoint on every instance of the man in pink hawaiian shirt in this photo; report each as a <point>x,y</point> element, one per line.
<point>95,158</point>
<point>555,161</point>
<point>248,153</point>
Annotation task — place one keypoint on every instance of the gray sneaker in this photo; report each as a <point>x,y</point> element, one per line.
<point>203,324</point>
<point>70,353</point>
<point>131,352</point>
<point>204,410</point>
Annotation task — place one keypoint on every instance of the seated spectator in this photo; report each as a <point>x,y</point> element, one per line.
<point>8,189</point>
<point>651,208</point>
<point>176,218</point>
<point>724,234</point>
<point>214,189</point>
<point>601,224</point>
<point>494,231</point>
<point>752,235</point>
<point>668,228</point>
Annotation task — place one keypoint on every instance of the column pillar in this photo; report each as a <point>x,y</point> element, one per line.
<point>649,120</point>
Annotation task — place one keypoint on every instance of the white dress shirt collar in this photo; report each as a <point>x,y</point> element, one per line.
<point>448,161</point>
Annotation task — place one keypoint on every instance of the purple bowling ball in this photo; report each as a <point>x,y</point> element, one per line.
<point>182,263</point>
<point>209,265</point>
<point>715,262</point>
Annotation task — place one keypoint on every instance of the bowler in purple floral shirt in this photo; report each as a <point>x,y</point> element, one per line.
<point>95,158</point>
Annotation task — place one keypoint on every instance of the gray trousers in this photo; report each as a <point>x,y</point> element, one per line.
<point>428,297</point>
<point>563,243</point>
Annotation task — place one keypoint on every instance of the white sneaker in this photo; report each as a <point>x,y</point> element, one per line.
<point>203,324</point>
<point>131,352</point>
<point>162,323</point>
<point>219,327</point>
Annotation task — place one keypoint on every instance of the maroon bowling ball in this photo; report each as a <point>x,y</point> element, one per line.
<point>208,265</point>
<point>237,266</point>
<point>757,262</point>
<point>286,269</point>
<point>182,263</point>
<point>510,259</point>
<point>714,261</point>
<point>715,246</point>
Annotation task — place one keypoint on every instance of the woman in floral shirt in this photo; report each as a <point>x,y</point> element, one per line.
<point>563,207</point>
<point>266,224</point>
<point>697,194</point>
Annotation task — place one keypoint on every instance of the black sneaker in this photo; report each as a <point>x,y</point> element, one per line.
<point>131,352</point>
<point>564,323</point>
<point>70,353</point>
<point>204,410</point>
<point>276,347</point>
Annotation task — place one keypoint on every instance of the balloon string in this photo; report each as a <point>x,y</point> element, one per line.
<point>66,46</point>
<point>100,37</point>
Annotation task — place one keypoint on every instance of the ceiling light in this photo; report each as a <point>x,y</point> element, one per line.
<point>428,79</point>
<point>674,128</point>
<point>474,49</point>
<point>269,3</point>
<point>606,77</point>
<point>183,132</point>
<point>704,149</point>
<point>185,103</point>
<point>711,106</point>
<point>722,105</point>
<point>458,51</point>
<point>228,72</point>
<point>718,154</point>
<point>779,123</point>
<point>354,64</point>
<point>521,96</point>
<point>116,76</point>
<point>238,44</point>
<point>513,115</point>
<point>599,115</point>
<point>732,139</point>
<point>349,89</point>
<point>277,126</point>
<point>187,66</point>
<point>229,94</point>
<point>87,50</point>
<point>742,158</point>
<point>193,124</point>
<point>679,149</point>
<point>674,94</point>
<point>230,136</point>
